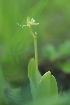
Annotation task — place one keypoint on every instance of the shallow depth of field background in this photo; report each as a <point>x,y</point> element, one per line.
<point>16,43</point>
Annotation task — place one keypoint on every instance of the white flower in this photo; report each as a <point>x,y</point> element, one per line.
<point>29,22</point>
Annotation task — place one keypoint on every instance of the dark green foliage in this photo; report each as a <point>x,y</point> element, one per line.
<point>58,56</point>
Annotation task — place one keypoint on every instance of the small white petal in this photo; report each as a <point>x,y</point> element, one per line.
<point>17,24</point>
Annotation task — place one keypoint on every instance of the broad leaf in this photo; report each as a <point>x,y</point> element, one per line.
<point>34,76</point>
<point>47,86</point>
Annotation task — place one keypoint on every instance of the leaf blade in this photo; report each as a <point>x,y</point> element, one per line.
<point>33,76</point>
<point>47,86</point>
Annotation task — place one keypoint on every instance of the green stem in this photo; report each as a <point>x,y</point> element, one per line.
<point>36,54</point>
<point>35,48</point>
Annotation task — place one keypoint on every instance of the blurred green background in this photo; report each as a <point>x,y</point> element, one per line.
<point>16,43</point>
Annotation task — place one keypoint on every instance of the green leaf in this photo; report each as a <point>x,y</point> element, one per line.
<point>50,53</point>
<point>64,49</point>
<point>47,86</point>
<point>34,76</point>
<point>65,67</point>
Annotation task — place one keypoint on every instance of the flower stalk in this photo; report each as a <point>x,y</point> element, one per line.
<point>31,22</point>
